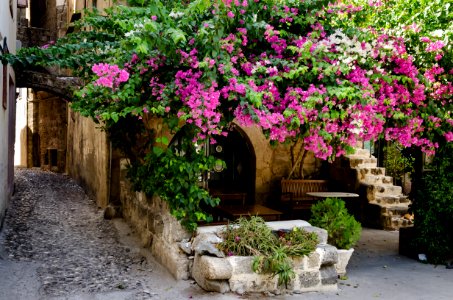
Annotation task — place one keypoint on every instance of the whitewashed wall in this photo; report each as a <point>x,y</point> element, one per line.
<point>8,30</point>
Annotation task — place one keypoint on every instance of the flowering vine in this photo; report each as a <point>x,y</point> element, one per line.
<point>316,76</point>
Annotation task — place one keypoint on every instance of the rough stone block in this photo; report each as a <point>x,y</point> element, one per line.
<point>219,286</point>
<point>253,283</point>
<point>171,257</point>
<point>214,268</point>
<point>300,263</point>
<point>151,218</point>
<point>314,260</point>
<point>328,275</point>
<point>158,225</point>
<point>290,224</point>
<point>328,253</point>
<point>199,275</point>
<point>206,243</point>
<point>241,264</point>
<point>309,279</point>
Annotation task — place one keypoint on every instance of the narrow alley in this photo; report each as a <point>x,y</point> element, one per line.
<point>55,244</point>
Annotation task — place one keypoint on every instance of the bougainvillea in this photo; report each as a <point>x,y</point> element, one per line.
<point>300,70</point>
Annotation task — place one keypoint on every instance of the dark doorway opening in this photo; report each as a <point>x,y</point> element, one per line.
<point>238,174</point>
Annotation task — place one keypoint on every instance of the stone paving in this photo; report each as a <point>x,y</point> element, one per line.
<point>56,245</point>
<point>53,222</point>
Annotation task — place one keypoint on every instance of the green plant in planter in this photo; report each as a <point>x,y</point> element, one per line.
<point>332,215</point>
<point>272,251</point>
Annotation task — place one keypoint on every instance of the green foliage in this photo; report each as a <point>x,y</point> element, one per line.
<point>331,214</point>
<point>433,209</point>
<point>252,237</point>
<point>430,18</point>
<point>396,164</point>
<point>177,179</point>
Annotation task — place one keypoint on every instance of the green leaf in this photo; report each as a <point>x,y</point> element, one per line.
<point>158,151</point>
<point>176,35</point>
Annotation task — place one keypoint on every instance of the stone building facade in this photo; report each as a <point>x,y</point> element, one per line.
<point>8,10</point>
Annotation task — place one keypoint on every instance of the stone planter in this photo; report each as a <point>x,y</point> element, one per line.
<point>343,259</point>
<point>217,273</point>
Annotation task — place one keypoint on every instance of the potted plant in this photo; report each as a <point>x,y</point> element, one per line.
<point>343,230</point>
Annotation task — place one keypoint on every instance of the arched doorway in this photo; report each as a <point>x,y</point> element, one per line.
<point>238,175</point>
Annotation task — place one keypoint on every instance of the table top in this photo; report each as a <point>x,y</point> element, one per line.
<point>332,194</point>
<point>253,210</point>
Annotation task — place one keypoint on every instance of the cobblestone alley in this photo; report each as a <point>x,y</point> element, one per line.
<point>55,244</point>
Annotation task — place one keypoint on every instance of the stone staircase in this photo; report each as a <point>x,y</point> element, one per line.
<point>385,204</point>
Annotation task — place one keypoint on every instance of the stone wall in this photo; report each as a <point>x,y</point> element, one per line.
<point>33,157</point>
<point>88,157</point>
<point>52,130</point>
<point>272,164</point>
<point>61,18</point>
<point>158,230</point>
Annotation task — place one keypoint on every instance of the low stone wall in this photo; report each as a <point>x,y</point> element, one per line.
<point>157,228</point>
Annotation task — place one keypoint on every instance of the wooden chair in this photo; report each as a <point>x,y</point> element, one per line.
<point>294,193</point>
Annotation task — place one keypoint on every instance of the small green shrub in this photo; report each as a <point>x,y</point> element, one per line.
<point>272,251</point>
<point>331,214</point>
<point>397,164</point>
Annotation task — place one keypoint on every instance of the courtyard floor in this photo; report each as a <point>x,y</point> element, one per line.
<point>55,244</point>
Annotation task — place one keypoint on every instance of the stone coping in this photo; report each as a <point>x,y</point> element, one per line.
<point>274,225</point>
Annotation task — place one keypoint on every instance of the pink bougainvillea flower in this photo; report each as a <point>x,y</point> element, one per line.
<point>434,46</point>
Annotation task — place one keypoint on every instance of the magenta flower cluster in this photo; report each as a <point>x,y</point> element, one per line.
<point>329,88</point>
<point>109,75</point>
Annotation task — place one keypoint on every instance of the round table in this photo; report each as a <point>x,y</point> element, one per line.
<point>332,194</point>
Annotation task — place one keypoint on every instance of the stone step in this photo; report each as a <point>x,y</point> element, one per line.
<point>381,190</point>
<point>378,179</point>
<point>394,209</point>
<point>361,162</point>
<point>392,217</point>
<point>390,200</point>
<point>370,171</point>
<point>395,223</point>
<point>362,152</point>
<point>405,199</point>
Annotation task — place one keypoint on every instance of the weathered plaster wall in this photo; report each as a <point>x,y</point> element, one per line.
<point>61,17</point>
<point>33,156</point>
<point>88,157</point>
<point>7,116</point>
<point>20,147</point>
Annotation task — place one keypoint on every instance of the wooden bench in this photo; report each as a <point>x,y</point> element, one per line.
<point>294,193</point>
